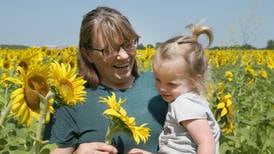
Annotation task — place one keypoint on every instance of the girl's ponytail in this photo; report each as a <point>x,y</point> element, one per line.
<point>197,30</point>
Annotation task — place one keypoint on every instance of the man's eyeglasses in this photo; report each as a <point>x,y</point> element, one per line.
<point>127,46</point>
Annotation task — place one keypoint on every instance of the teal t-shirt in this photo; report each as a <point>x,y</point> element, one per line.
<point>85,122</point>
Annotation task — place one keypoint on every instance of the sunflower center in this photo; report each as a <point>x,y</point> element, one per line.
<point>6,65</point>
<point>66,89</point>
<point>23,64</point>
<point>35,83</point>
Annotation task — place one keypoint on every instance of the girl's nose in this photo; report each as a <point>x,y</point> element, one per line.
<point>162,89</point>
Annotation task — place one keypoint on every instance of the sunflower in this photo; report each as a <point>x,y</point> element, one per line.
<point>70,88</point>
<point>28,59</point>
<point>141,133</point>
<point>112,103</point>
<point>119,121</point>
<point>25,100</point>
<point>225,105</point>
<point>263,73</point>
<point>3,76</point>
<point>7,65</point>
<point>229,127</point>
<point>229,75</point>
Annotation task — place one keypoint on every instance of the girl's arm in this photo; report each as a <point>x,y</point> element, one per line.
<point>201,134</point>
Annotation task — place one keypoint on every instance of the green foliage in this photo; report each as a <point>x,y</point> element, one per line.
<point>141,46</point>
<point>270,44</point>
<point>252,104</point>
<point>234,47</point>
<point>157,44</point>
<point>150,46</point>
<point>15,139</point>
<point>253,110</point>
<point>8,46</point>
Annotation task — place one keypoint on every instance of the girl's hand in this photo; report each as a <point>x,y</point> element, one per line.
<point>95,147</point>
<point>138,151</point>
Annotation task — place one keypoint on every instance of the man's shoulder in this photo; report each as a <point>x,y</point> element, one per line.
<point>144,80</point>
<point>146,76</point>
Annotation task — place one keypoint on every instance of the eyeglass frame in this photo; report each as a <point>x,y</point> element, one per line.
<point>116,52</point>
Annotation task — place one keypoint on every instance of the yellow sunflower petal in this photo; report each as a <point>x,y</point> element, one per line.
<point>35,115</point>
<point>14,80</point>
<point>47,117</point>
<point>16,106</point>
<point>123,112</point>
<point>136,138</point>
<point>228,96</point>
<point>18,98</point>
<point>224,112</point>
<point>221,105</point>
<point>24,117</point>
<point>111,112</point>
<point>228,103</point>
<point>22,109</point>
<point>17,92</point>
<point>29,120</point>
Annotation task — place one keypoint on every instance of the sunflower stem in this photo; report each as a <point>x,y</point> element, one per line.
<point>108,136</point>
<point>42,120</point>
<point>4,113</point>
<point>112,128</point>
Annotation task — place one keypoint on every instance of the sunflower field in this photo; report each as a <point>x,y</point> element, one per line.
<point>240,94</point>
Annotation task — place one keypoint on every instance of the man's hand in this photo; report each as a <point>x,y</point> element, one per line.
<point>95,148</point>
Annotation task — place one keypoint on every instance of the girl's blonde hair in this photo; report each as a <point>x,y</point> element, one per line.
<point>191,51</point>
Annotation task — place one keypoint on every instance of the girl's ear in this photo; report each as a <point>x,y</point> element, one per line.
<point>198,77</point>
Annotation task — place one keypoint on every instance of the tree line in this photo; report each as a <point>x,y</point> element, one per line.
<point>270,46</point>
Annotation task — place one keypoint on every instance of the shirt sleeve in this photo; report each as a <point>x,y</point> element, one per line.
<point>185,108</point>
<point>64,128</point>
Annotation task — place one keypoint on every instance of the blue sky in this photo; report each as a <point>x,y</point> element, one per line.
<point>57,22</point>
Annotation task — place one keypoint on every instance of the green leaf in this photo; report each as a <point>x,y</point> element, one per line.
<point>13,147</point>
<point>47,148</point>
<point>3,141</point>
